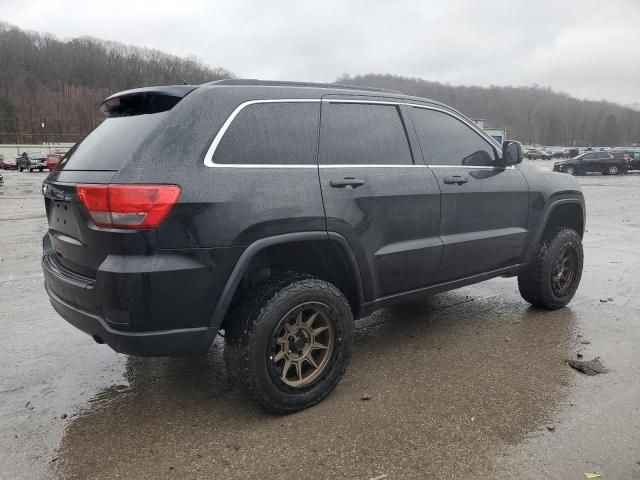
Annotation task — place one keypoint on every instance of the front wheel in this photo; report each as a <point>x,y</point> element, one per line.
<point>289,342</point>
<point>553,275</point>
<point>570,170</point>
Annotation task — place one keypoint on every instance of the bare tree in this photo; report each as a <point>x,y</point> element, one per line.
<point>530,114</point>
<point>61,83</point>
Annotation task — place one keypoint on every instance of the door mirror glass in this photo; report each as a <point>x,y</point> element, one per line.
<point>481,158</point>
<point>511,153</point>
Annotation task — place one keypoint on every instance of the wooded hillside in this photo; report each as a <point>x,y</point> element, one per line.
<point>530,114</point>
<point>61,83</point>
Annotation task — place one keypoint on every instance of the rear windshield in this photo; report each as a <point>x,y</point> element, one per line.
<point>113,143</point>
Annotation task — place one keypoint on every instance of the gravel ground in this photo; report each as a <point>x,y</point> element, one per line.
<point>468,384</point>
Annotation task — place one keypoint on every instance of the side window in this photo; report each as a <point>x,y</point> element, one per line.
<point>602,155</point>
<point>359,133</point>
<point>272,133</point>
<point>589,156</point>
<point>445,140</point>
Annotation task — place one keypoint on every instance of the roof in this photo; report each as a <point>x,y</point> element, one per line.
<point>161,95</point>
<point>321,89</point>
<point>277,83</point>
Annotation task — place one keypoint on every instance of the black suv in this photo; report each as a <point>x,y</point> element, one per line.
<point>279,212</point>
<point>607,163</point>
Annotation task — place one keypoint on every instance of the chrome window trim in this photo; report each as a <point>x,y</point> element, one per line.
<point>453,114</point>
<point>472,167</point>
<point>371,165</point>
<point>208,158</point>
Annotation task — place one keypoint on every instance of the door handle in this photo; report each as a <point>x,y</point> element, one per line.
<point>347,182</point>
<point>456,180</point>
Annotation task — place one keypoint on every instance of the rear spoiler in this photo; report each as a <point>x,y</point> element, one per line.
<point>140,101</point>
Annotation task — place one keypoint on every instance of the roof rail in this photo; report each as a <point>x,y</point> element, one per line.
<point>277,83</point>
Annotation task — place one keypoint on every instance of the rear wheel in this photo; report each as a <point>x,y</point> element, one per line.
<point>613,170</point>
<point>553,275</point>
<point>289,342</point>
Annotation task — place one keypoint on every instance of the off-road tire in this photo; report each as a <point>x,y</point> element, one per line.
<point>535,282</point>
<point>249,329</point>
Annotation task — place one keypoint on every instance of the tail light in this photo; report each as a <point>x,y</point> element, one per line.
<point>128,206</point>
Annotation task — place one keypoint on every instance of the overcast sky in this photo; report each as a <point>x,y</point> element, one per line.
<point>587,48</point>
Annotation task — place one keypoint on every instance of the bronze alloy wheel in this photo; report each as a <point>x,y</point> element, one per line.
<point>564,270</point>
<point>302,345</point>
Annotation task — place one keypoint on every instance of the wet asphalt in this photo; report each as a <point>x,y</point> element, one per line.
<point>468,384</point>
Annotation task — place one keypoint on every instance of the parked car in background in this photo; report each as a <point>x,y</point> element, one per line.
<point>8,164</point>
<point>607,163</point>
<point>53,160</point>
<point>537,154</point>
<point>31,162</point>
<point>570,152</point>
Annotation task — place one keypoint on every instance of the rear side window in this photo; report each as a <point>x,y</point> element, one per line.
<point>113,143</point>
<point>272,133</point>
<point>602,155</point>
<point>445,140</point>
<point>354,133</point>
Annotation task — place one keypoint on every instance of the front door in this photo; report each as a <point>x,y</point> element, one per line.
<point>587,163</point>
<point>387,206</point>
<point>484,207</point>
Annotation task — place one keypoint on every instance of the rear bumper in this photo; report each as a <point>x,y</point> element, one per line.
<point>175,342</point>
<point>144,305</point>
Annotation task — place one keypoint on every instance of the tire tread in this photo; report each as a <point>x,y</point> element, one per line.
<point>533,281</point>
<point>257,307</point>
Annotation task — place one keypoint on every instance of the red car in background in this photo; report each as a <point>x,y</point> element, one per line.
<point>52,160</point>
<point>8,164</point>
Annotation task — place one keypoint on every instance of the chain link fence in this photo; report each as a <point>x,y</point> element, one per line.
<point>14,138</point>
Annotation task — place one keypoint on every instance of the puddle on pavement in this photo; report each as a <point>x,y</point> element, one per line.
<point>449,388</point>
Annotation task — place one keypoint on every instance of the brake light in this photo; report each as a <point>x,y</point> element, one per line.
<point>128,206</point>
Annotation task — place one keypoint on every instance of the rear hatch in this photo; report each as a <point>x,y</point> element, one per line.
<point>77,244</point>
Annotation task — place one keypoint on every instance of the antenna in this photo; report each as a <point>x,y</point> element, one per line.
<point>175,70</point>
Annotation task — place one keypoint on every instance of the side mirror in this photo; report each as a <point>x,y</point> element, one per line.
<point>511,153</point>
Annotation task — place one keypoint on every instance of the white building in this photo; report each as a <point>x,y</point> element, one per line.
<point>498,134</point>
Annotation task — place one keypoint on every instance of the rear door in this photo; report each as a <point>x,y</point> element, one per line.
<point>603,161</point>
<point>375,195</point>
<point>484,208</point>
<point>588,163</point>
